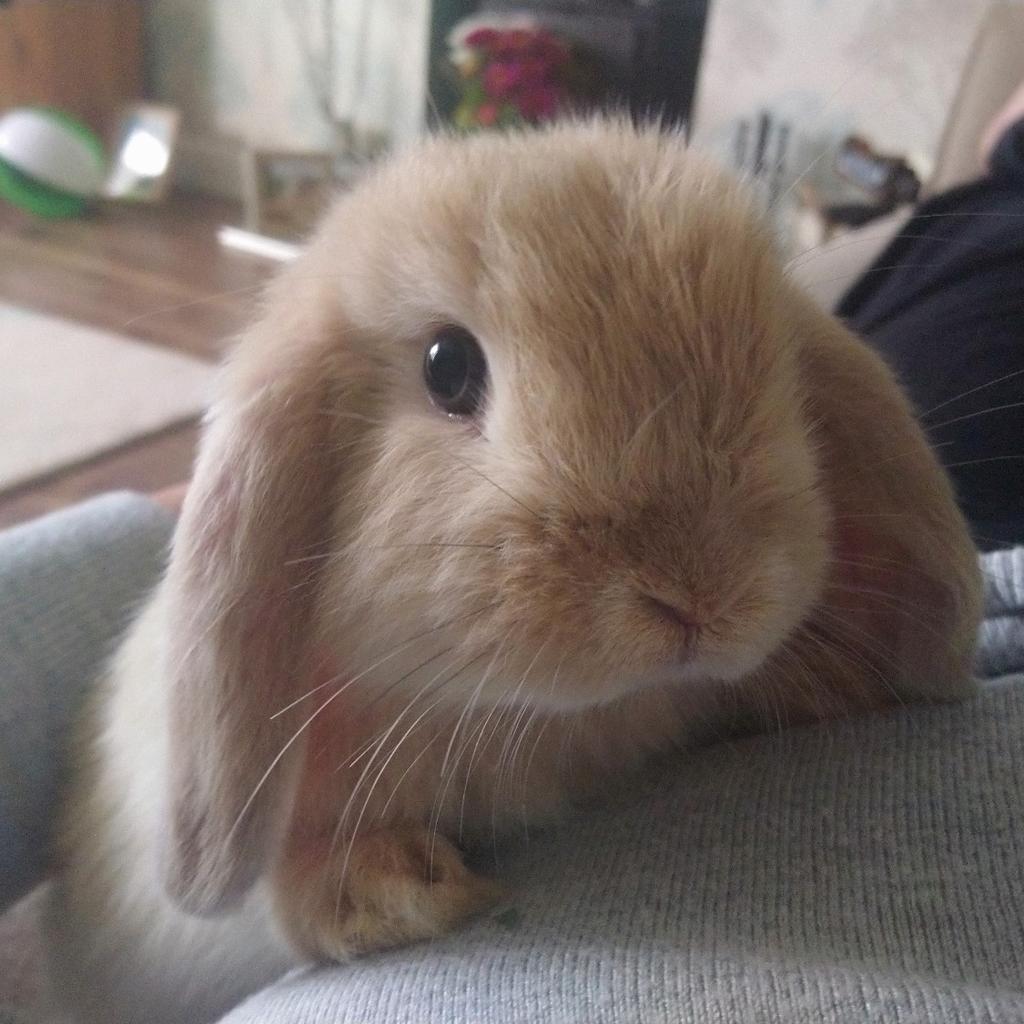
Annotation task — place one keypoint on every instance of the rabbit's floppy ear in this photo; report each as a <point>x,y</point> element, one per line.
<point>902,544</point>
<point>240,591</point>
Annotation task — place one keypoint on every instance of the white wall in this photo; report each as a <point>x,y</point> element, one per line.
<point>238,71</point>
<point>382,66</point>
<point>884,68</point>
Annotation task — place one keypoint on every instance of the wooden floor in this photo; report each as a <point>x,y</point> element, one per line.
<point>152,273</point>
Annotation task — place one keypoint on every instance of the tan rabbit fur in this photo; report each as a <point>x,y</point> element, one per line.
<point>384,631</point>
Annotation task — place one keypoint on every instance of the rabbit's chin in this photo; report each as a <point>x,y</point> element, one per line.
<point>726,653</point>
<point>697,676</point>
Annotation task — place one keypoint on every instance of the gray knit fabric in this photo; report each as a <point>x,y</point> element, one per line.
<point>869,870</point>
<point>68,582</point>
<point>1001,640</point>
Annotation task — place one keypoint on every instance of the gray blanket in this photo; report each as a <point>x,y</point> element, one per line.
<point>869,870</point>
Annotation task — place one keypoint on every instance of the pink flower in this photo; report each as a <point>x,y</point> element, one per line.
<point>538,102</point>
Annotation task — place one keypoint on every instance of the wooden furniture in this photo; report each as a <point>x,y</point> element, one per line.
<point>156,273</point>
<point>82,56</point>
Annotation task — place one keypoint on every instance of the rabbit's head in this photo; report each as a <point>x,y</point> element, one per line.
<point>529,421</point>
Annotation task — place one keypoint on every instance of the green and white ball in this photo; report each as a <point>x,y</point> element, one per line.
<point>50,163</point>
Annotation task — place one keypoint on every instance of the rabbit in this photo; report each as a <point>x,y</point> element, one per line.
<point>533,467</point>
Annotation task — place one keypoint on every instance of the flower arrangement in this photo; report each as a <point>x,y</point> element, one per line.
<point>514,73</point>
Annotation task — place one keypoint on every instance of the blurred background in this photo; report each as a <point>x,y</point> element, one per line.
<point>159,159</point>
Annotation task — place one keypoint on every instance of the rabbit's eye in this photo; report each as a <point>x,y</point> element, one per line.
<point>455,371</point>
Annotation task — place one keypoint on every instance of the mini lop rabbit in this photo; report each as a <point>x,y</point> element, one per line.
<point>532,464</point>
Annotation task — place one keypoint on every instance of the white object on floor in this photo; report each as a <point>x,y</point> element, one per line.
<point>257,245</point>
<point>70,392</point>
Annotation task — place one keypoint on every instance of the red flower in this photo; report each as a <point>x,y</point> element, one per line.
<point>520,71</point>
<point>482,38</point>
<point>538,102</point>
<point>502,78</point>
<point>487,114</point>
<point>534,70</point>
<point>513,42</point>
<point>549,48</point>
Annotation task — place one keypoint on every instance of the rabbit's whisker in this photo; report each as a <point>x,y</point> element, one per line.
<point>879,562</point>
<point>879,565</point>
<point>970,391</point>
<point>906,453</point>
<point>311,558</point>
<point>369,796</point>
<point>999,541</point>
<point>522,709</point>
<point>369,744</point>
<point>877,270</point>
<point>396,747</point>
<point>858,70</point>
<point>869,642</point>
<point>869,515</point>
<point>479,733</point>
<point>444,775</point>
<point>891,602</point>
<point>436,544</point>
<point>378,696</point>
<point>550,717</point>
<point>816,251</point>
<point>428,744</point>
<point>821,156</point>
<point>394,651</point>
<point>480,473</point>
<point>990,458</point>
<point>381,739</point>
<point>771,705</point>
<point>359,418</point>
<point>284,749</point>
<point>528,726</point>
<point>972,415</point>
<point>190,303</point>
<point>808,685</point>
<point>517,746</point>
<point>969,213</point>
<point>346,810</point>
<point>647,420</point>
<point>835,644</point>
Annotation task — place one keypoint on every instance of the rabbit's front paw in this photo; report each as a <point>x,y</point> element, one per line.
<point>375,891</point>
